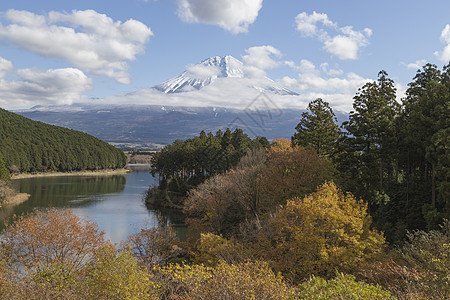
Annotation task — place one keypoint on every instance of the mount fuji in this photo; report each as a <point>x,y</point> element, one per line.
<point>210,70</point>
<point>218,93</point>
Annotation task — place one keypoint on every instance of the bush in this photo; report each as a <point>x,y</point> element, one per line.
<point>242,281</point>
<point>53,254</point>
<point>343,287</point>
<point>429,253</point>
<point>212,249</point>
<point>401,281</point>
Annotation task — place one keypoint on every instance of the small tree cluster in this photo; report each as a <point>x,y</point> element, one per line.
<point>185,164</point>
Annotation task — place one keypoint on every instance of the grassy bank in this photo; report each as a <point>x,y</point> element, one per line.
<point>75,173</point>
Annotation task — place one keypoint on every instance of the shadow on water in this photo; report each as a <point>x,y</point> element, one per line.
<point>173,217</point>
<point>114,202</point>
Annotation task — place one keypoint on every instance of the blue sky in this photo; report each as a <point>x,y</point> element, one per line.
<point>62,52</point>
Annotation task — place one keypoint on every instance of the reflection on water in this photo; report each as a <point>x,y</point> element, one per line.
<point>66,191</point>
<point>114,202</point>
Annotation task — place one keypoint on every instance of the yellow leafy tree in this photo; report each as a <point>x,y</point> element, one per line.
<point>211,249</point>
<point>118,276</point>
<point>252,280</point>
<point>320,234</point>
<point>280,145</point>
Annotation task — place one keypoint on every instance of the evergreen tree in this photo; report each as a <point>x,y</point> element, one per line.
<point>425,139</point>
<point>318,129</point>
<point>369,147</point>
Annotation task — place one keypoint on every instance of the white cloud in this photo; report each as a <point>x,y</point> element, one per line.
<point>445,38</point>
<point>231,93</point>
<point>202,71</point>
<point>345,45</point>
<point>307,24</point>
<point>331,72</point>
<point>238,93</point>
<point>307,67</point>
<point>55,86</point>
<point>5,67</point>
<point>90,41</point>
<point>232,15</point>
<point>336,89</point>
<point>259,58</point>
<point>342,46</point>
<point>445,34</point>
<point>418,64</point>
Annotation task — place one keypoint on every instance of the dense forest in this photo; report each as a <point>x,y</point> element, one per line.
<point>31,146</point>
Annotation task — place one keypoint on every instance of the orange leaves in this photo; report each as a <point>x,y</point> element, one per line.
<point>39,240</point>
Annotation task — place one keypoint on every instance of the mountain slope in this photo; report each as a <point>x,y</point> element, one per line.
<point>164,124</point>
<point>208,71</point>
<point>33,146</point>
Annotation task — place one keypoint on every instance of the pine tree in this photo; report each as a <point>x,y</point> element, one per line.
<point>369,148</point>
<point>318,129</point>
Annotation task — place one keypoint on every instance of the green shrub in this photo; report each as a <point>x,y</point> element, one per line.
<point>341,287</point>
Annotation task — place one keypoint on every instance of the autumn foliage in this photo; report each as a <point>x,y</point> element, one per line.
<point>45,239</point>
<point>255,188</point>
<point>253,280</point>
<point>319,234</point>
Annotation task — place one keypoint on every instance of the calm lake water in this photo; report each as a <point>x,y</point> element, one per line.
<point>114,202</point>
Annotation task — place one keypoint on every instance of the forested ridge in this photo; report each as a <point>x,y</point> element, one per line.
<point>31,146</point>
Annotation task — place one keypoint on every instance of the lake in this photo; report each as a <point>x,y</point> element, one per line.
<point>114,202</point>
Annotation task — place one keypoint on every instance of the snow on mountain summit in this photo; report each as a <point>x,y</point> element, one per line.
<point>209,70</point>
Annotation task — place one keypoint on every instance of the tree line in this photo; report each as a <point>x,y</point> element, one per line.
<point>183,165</point>
<point>394,155</point>
<point>31,146</point>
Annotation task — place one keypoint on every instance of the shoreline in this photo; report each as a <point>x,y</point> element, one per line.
<point>15,200</point>
<point>105,172</point>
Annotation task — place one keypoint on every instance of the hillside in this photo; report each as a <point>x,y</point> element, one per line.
<point>31,146</point>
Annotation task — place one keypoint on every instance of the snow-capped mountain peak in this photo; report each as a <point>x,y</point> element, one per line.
<point>227,65</point>
<point>209,70</point>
